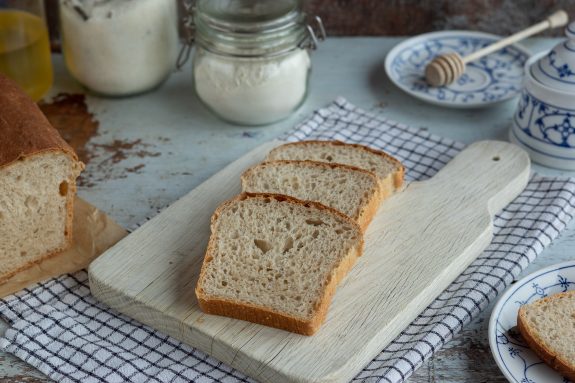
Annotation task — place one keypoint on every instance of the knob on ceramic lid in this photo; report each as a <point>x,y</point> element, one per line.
<point>557,68</point>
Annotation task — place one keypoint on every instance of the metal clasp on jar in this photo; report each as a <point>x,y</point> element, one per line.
<point>313,39</point>
<point>189,28</point>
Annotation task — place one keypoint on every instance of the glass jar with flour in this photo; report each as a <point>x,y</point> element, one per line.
<point>119,47</point>
<point>252,62</point>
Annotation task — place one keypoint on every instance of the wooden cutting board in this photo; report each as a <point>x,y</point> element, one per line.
<point>419,242</point>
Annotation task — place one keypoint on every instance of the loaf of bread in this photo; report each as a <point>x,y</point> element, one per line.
<point>387,169</point>
<point>548,327</point>
<point>276,261</point>
<point>352,191</point>
<point>38,172</point>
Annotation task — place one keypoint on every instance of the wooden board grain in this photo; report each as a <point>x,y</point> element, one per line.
<point>420,241</point>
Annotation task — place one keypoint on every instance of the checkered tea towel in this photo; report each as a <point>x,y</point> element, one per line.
<point>59,328</point>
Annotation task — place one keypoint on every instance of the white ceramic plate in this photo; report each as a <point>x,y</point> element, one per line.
<point>517,362</point>
<point>491,79</point>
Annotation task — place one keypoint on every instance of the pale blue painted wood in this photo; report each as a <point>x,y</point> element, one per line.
<point>198,145</point>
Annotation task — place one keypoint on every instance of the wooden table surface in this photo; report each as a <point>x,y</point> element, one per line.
<point>145,152</point>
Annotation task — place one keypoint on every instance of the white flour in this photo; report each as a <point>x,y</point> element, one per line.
<point>252,91</point>
<point>119,47</point>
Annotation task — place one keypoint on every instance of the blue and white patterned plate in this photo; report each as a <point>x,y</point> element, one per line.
<point>517,362</point>
<point>491,79</point>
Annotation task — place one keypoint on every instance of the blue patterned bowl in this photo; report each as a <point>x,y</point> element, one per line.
<point>544,122</point>
<point>515,359</point>
<point>491,79</point>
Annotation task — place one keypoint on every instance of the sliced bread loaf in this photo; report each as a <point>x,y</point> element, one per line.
<point>276,261</point>
<point>352,191</point>
<point>548,327</point>
<point>38,173</point>
<point>388,170</point>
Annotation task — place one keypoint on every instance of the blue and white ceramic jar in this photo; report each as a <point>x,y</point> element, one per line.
<point>557,68</point>
<point>544,122</point>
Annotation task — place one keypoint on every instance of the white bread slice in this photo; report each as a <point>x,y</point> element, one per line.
<point>276,261</point>
<point>387,169</point>
<point>352,191</point>
<point>38,173</point>
<point>548,327</point>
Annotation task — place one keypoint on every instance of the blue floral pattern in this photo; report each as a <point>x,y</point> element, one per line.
<point>516,356</point>
<point>551,124</point>
<point>551,67</point>
<point>490,79</point>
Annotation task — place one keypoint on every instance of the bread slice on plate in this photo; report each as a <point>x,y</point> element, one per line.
<point>548,327</point>
<point>352,191</point>
<point>387,169</point>
<point>38,171</point>
<point>275,260</point>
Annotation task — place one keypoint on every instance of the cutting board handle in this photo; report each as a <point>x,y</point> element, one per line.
<point>499,169</point>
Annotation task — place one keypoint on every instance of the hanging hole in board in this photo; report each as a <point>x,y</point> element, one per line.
<point>496,158</point>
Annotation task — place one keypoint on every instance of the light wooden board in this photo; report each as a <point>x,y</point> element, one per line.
<point>420,241</point>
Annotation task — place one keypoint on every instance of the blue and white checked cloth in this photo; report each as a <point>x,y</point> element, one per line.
<point>59,328</point>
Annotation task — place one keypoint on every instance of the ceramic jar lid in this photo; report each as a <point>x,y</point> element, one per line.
<point>557,68</point>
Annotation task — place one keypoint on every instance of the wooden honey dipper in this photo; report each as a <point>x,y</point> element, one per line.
<point>446,68</point>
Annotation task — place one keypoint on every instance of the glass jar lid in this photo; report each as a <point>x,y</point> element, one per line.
<point>251,28</point>
<point>248,16</point>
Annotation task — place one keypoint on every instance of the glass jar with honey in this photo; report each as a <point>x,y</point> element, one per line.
<point>25,46</point>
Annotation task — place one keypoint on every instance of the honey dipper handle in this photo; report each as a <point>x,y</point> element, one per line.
<point>557,19</point>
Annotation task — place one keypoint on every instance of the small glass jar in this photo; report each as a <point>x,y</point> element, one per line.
<point>252,63</point>
<point>119,47</point>
<point>25,46</point>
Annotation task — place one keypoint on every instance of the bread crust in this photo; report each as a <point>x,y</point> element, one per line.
<point>398,175</point>
<point>538,346</point>
<point>366,214</point>
<point>280,198</point>
<point>24,128</point>
<point>26,133</point>
<point>265,316</point>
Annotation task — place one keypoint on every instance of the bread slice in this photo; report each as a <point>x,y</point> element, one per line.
<point>38,173</point>
<point>387,169</point>
<point>352,191</point>
<point>548,327</point>
<point>276,261</point>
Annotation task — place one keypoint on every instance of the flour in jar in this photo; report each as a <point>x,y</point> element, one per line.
<point>252,91</point>
<point>119,47</point>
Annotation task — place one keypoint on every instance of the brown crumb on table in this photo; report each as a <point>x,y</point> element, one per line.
<point>119,150</point>
<point>108,156</point>
<point>69,114</point>
<point>135,169</point>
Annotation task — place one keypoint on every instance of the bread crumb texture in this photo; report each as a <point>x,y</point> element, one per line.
<point>548,326</point>
<point>34,196</point>
<point>272,252</point>
<point>346,189</point>
<point>377,162</point>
